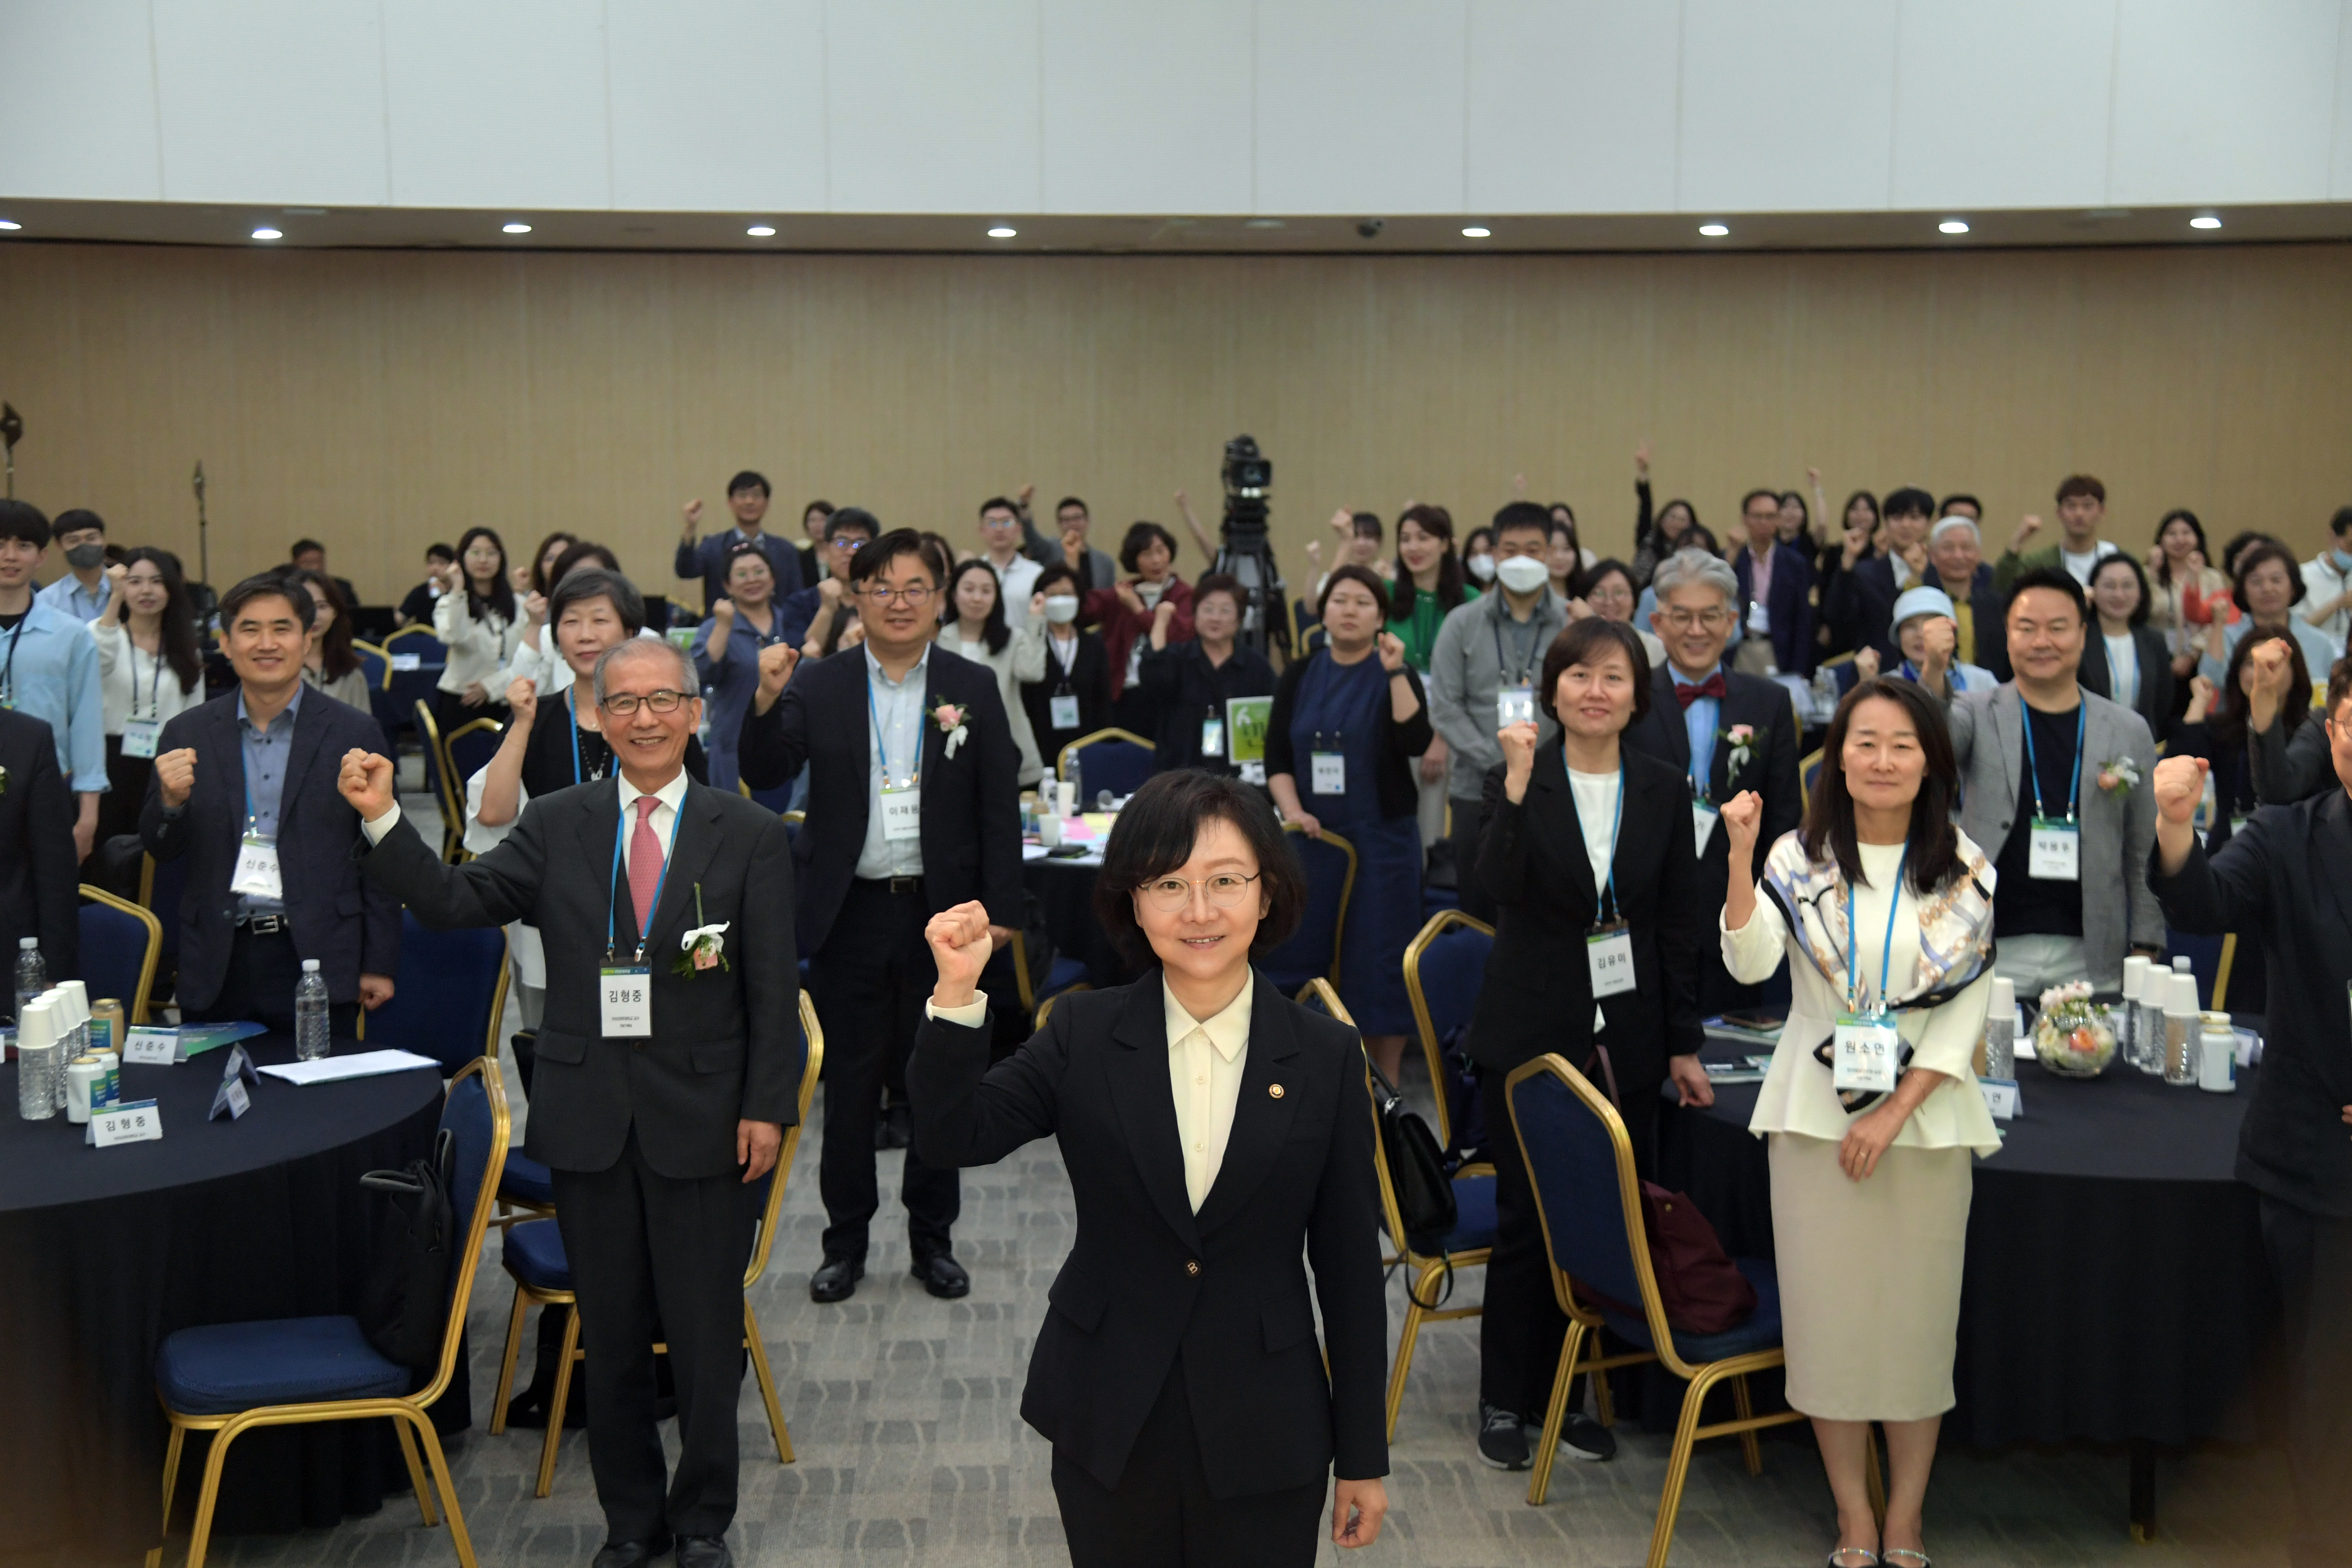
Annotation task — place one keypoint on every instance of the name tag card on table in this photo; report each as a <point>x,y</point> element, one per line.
<point>136,1122</point>
<point>152,1047</point>
<point>404,662</point>
<point>230,1099</point>
<point>2000,1097</point>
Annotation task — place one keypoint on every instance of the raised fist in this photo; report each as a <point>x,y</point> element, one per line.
<point>1743,816</point>
<point>2179,785</point>
<point>522,701</point>
<point>776,662</point>
<point>366,780</point>
<point>175,776</point>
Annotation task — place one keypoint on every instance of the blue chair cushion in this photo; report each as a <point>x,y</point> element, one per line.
<point>535,1256</point>
<point>1474,1215</point>
<point>222,1368</point>
<point>526,1181</point>
<point>1066,972</point>
<point>1761,1332</point>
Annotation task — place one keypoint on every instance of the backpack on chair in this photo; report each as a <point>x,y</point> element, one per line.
<point>404,1308</point>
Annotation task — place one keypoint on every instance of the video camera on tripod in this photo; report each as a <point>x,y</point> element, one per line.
<point>1243,552</point>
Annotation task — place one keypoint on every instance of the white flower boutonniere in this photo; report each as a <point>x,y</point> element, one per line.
<point>1743,746</point>
<point>949,719</point>
<point>704,947</point>
<point>2120,776</point>
<point>3,781</point>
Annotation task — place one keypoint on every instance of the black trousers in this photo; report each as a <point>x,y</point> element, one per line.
<point>263,971</point>
<point>1161,1515</point>
<point>870,980</point>
<point>2311,1257</point>
<point>648,1248</point>
<point>126,791</point>
<point>1520,1330</point>
<point>1469,820</point>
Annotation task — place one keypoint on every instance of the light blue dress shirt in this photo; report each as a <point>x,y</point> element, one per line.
<point>68,594</point>
<point>1699,724</point>
<point>266,752</point>
<point>49,670</point>
<point>898,735</point>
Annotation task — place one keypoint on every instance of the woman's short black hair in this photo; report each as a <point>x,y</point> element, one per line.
<point>2139,617</point>
<point>580,552</point>
<point>2254,555</point>
<point>1586,642</point>
<point>1589,578</point>
<point>1059,571</point>
<point>1933,857</point>
<point>1363,577</point>
<point>1155,833</point>
<point>1140,535</point>
<point>740,548</point>
<point>1224,583</point>
<point>595,582</point>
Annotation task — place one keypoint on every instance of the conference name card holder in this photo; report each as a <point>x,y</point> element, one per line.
<point>162,1046</point>
<point>403,663</point>
<point>2001,1098</point>
<point>133,1121</point>
<point>233,1097</point>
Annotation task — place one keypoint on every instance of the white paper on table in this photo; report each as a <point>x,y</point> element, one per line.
<point>361,1064</point>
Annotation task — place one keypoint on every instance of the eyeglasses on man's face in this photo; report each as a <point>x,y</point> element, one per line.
<point>623,704</point>
<point>1226,890</point>
<point>911,596</point>
<point>1684,620</point>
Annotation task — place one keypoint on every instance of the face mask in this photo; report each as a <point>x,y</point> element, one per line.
<point>2342,562</point>
<point>1483,568</point>
<point>1061,608</point>
<point>1522,573</point>
<point>82,557</point>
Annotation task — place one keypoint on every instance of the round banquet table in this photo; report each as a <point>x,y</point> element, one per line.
<point>104,1252</point>
<point>1066,889</point>
<point>2115,1288</point>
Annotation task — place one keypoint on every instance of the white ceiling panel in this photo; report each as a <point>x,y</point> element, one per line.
<point>1360,106</point>
<point>1571,106</point>
<point>1787,109</point>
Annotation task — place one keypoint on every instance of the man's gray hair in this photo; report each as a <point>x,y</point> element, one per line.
<point>1950,520</point>
<point>689,682</point>
<point>1685,568</point>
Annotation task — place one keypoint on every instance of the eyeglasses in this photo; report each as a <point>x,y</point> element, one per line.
<point>622,704</point>
<point>909,598</point>
<point>1225,891</point>
<point>1684,620</point>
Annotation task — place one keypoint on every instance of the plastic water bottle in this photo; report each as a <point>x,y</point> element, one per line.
<point>32,973</point>
<point>1077,780</point>
<point>310,1037</point>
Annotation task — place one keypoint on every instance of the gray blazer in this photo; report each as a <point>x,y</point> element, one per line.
<point>2118,909</point>
<point>1463,678</point>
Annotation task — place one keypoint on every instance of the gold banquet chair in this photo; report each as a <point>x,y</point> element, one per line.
<point>534,1260</point>
<point>229,1378</point>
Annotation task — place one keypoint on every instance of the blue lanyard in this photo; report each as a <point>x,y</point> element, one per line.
<point>614,899</point>
<point>1616,822</point>
<point>2075,789</point>
<point>881,739</point>
<point>1886,953</point>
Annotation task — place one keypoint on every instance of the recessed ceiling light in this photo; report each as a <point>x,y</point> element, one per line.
<point>1003,231</point>
<point>761,231</point>
<point>268,234</point>
<point>5,224</point>
<point>1476,232</point>
<point>1713,230</point>
<point>2206,222</point>
<point>515,228</point>
<point>1952,225</point>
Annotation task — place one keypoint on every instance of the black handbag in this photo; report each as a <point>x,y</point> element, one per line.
<point>1417,1175</point>
<point>405,1305</point>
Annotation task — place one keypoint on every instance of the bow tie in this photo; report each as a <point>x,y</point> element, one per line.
<point>1711,687</point>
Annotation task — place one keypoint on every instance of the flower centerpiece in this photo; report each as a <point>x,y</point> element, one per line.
<point>2071,1038</point>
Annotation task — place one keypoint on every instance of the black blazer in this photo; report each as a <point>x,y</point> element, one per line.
<point>1770,769</point>
<point>40,885</point>
<point>1186,688</point>
<point>1089,681</point>
<point>1862,604</point>
<point>1148,1279</point>
<point>2287,876</point>
<point>1791,608</point>
<point>725,1047</point>
<point>1537,996</point>
<point>1400,744</point>
<point>350,928</point>
<point>2157,681</point>
<point>971,801</point>
<point>1985,615</point>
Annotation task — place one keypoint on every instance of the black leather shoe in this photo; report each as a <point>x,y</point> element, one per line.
<point>631,1553</point>
<point>893,1129</point>
<point>703,1552</point>
<point>837,1280</point>
<point>942,1276</point>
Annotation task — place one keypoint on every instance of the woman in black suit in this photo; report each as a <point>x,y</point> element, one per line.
<point>2125,660</point>
<point>1074,698</point>
<point>1177,1373</point>
<point>1588,856</point>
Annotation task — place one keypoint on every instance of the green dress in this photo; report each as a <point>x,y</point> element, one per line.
<point>1418,631</point>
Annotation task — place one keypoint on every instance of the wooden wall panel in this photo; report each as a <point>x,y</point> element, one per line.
<point>379,399</point>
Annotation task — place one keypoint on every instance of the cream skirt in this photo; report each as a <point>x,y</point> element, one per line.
<point>1870,1277</point>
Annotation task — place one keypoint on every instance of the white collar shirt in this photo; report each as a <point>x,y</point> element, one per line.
<point>672,795</point>
<point>894,746</point>
<point>1205,1058</point>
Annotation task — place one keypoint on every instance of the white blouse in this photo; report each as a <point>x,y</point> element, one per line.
<point>1798,1095</point>
<point>1024,658</point>
<point>135,684</point>
<point>479,648</point>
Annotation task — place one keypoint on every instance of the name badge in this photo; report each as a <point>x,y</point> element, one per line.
<point>1865,1053</point>
<point>1063,711</point>
<point>230,1099</point>
<point>2053,851</point>
<point>136,1122</point>
<point>1213,737</point>
<point>404,662</point>
<point>1330,773</point>
<point>902,813</point>
<point>2000,1097</point>
<point>624,1002</point>
<point>140,737</point>
<point>1515,705</point>
<point>1759,619</point>
<point>1703,820</point>
<point>1609,954</point>
<point>256,868</point>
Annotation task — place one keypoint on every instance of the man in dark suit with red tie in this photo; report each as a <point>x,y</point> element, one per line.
<point>1726,731</point>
